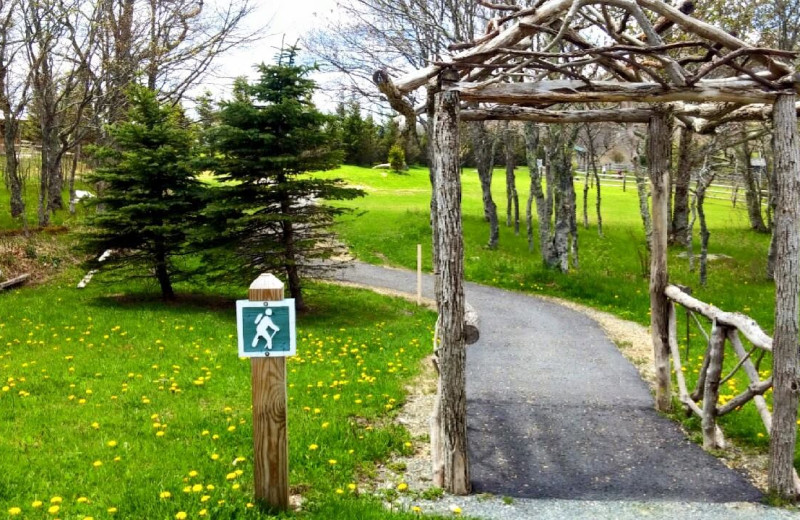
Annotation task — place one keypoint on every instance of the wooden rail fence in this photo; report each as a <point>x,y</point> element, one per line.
<point>730,192</point>
<point>704,400</point>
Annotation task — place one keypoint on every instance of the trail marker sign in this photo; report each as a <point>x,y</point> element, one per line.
<point>266,328</point>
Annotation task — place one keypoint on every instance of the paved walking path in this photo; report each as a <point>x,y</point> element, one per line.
<point>556,412</point>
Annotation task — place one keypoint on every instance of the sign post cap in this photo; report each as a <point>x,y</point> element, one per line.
<point>266,281</point>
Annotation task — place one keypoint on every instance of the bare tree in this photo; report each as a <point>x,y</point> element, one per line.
<point>484,142</point>
<point>512,197</point>
<point>61,40</point>
<point>14,88</point>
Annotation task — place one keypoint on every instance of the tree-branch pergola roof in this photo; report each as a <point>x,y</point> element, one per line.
<point>606,52</point>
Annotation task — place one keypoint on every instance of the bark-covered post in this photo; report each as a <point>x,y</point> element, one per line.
<point>784,344</point>
<point>450,352</point>
<point>658,152</point>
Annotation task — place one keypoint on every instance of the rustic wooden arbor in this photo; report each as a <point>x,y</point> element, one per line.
<point>628,61</point>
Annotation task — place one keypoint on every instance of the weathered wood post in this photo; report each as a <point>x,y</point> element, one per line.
<point>658,153</point>
<point>270,447</point>
<point>711,393</point>
<point>784,343</point>
<point>449,425</point>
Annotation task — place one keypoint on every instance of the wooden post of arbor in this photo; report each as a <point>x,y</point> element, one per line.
<point>270,448</point>
<point>658,152</point>
<point>784,343</point>
<point>449,424</point>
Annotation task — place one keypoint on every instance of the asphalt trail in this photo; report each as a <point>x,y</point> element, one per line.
<point>555,411</point>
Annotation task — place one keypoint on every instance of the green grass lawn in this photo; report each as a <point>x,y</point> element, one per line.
<point>116,405</point>
<point>393,218</point>
<point>126,407</point>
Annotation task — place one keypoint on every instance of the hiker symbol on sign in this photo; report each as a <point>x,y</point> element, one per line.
<point>266,329</point>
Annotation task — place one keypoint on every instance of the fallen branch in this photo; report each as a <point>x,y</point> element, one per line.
<point>13,282</point>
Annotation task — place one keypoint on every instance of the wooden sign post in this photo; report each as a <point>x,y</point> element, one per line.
<point>270,448</point>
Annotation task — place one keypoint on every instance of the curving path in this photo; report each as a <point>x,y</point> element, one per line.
<point>555,411</point>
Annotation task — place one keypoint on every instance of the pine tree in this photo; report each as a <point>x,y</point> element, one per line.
<point>271,215</point>
<point>150,192</point>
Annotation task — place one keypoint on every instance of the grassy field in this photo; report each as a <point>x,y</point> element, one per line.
<point>126,407</point>
<point>394,218</point>
<point>115,404</point>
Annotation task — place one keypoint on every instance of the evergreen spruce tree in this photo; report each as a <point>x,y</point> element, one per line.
<point>271,215</point>
<point>150,191</point>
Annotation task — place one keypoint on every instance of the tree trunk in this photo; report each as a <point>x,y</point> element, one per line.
<point>586,199</point>
<point>593,160</point>
<point>162,273</point>
<point>512,197</point>
<point>564,201</point>
<point>786,147</point>
<point>290,251</point>
<point>13,176</point>
<point>704,233</point>
<point>680,210</point>
<point>484,143</point>
<point>644,206</point>
<point>73,168</point>
<point>531,133</point>
<point>451,352</point>
<point>752,189</point>
<point>658,151</point>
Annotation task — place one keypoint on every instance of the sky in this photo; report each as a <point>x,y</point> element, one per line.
<point>280,21</point>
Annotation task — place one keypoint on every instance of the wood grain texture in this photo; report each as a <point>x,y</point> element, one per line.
<point>451,350</point>
<point>745,324</point>
<point>711,394</point>
<point>659,147</point>
<point>270,446</point>
<point>786,237</point>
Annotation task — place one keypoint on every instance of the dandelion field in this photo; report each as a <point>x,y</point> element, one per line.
<point>117,407</point>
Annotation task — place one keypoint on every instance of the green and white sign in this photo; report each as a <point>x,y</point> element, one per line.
<point>266,329</point>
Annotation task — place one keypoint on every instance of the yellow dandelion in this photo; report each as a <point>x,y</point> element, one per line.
<point>56,500</point>
<point>402,486</point>
<point>82,500</point>
<point>197,488</point>
<point>193,473</point>
<point>111,444</point>
<point>160,433</point>
<point>214,456</point>
<point>455,510</point>
<point>205,498</point>
<point>111,510</point>
<point>97,463</point>
<point>230,476</point>
<point>313,447</point>
<point>202,512</point>
<point>339,491</point>
<point>332,462</point>
<point>164,494</point>
<point>14,511</point>
<point>36,504</point>
<point>54,510</point>
<point>181,515</point>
